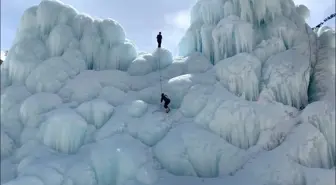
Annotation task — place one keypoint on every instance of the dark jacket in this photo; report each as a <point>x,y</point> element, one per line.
<point>159,38</point>
<point>165,98</point>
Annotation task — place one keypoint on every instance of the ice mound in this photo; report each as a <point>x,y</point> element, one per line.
<point>142,65</point>
<point>163,58</point>
<point>326,37</point>
<point>96,112</point>
<point>321,115</point>
<point>322,84</point>
<point>312,149</point>
<point>11,100</point>
<point>112,31</point>
<point>7,145</point>
<point>240,74</point>
<point>23,58</point>
<point>47,174</point>
<point>269,47</point>
<point>195,100</point>
<point>285,29</point>
<point>228,122</point>
<point>120,57</point>
<point>195,63</point>
<point>117,159</point>
<point>29,133</point>
<point>81,173</point>
<point>112,95</point>
<point>303,11</point>
<point>51,29</point>
<point>59,39</point>
<point>286,77</point>
<point>146,63</point>
<point>8,171</point>
<point>137,108</point>
<point>197,156</point>
<point>57,71</point>
<point>211,12</point>
<point>232,36</point>
<point>32,107</point>
<point>221,29</point>
<point>76,91</point>
<point>150,128</point>
<point>112,127</point>
<point>79,104</point>
<point>26,179</point>
<point>63,131</point>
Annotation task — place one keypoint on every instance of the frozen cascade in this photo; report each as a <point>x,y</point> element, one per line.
<point>240,74</point>
<point>85,108</point>
<point>232,36</point>
<point>287,75</point>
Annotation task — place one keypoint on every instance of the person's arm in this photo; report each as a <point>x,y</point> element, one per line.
<point>161,99</point>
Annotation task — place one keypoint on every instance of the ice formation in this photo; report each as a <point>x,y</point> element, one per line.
<point>252,100</point>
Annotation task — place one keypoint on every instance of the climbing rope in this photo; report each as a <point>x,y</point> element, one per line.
<point>160,73</point>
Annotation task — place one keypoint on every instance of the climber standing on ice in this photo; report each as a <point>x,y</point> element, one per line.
<point>159,39</point>
<point>166,102</point>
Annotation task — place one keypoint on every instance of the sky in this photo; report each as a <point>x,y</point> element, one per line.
<point>141,19</point>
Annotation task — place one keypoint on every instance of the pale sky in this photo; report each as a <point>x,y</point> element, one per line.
<point>141,19</point>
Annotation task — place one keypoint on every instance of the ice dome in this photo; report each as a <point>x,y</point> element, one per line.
<point>252,100</point>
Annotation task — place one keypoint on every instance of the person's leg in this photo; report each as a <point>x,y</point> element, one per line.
<point>166,106</point>
<point>159,45</point>
<point>168,109</point>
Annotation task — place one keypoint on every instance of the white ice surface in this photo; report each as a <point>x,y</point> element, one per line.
<point>240,74</point>
<point>80,106</point>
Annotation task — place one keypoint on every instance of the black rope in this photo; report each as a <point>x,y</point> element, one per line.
<point>160,72</point>
<point>325,20</point>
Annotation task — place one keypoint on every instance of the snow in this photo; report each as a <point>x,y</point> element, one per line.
<point>252,100</point>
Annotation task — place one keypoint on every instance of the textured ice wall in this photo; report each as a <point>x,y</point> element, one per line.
<point>221,29</point>
<point>322,85</point>
<point>56,32</point>
<point>267,30</point>
<point>110,123</point>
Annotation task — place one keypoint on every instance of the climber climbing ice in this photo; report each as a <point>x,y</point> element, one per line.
<point>166,100</point>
